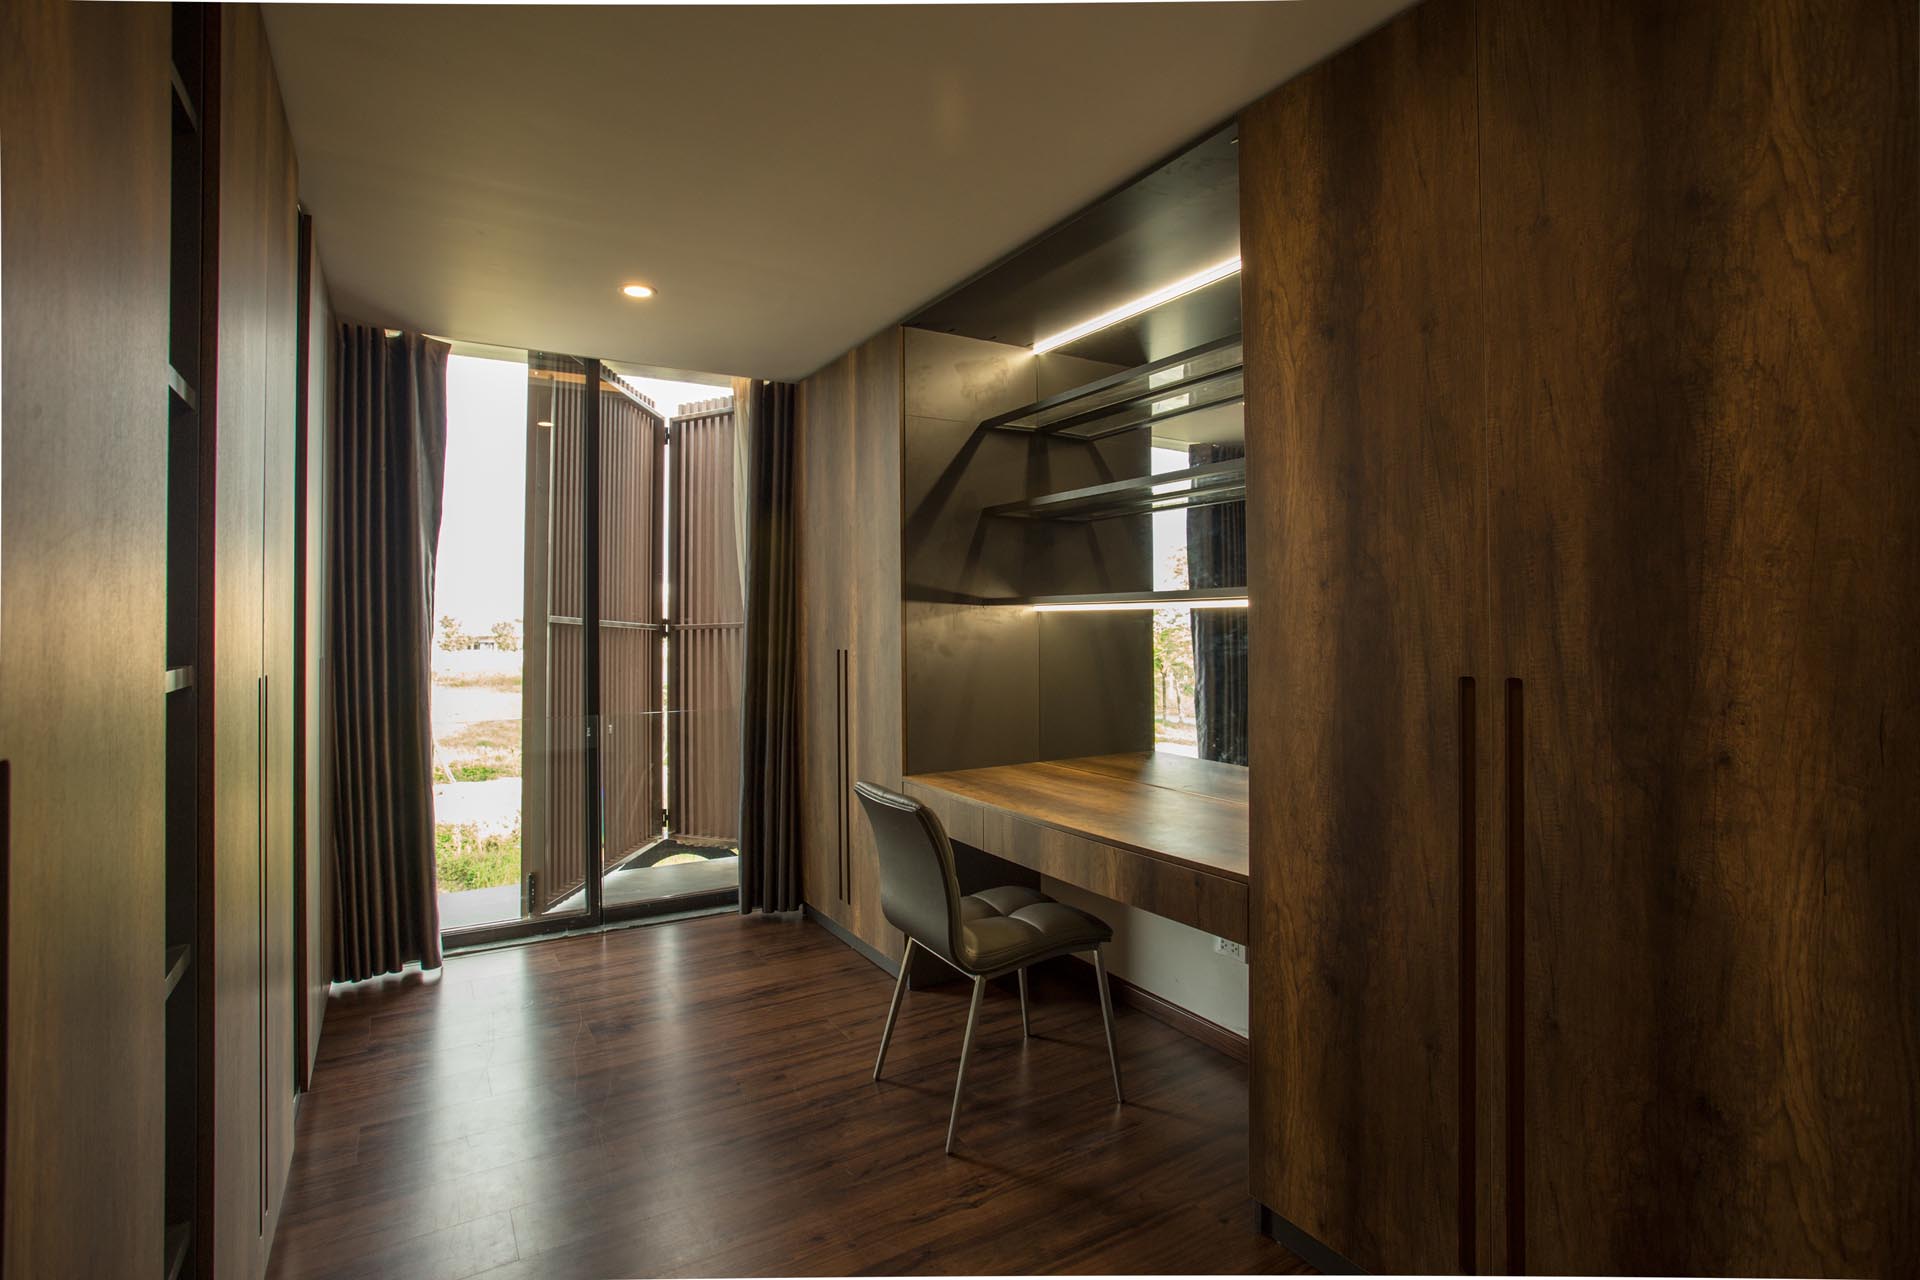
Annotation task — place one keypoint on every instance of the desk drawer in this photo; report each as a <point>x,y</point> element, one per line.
<point>1213,904</point>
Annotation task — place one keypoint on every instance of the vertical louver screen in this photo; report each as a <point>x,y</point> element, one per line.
<point>553,814</point>
<point>632,445</point>
<point>709,628</point>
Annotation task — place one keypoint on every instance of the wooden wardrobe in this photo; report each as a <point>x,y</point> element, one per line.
<point>1583,426</point>
<point>104,982</point>
<point>848,454</point>
<point>84,178</point>
<point>253,653</point>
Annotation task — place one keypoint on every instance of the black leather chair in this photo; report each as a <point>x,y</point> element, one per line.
<point>982,935</point>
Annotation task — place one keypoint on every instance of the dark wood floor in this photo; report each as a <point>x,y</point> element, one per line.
<point>693,1098</point>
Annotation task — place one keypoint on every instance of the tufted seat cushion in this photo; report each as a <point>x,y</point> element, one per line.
<point>1010,926</point>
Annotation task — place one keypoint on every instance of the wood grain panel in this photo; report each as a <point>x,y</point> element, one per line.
<point>1175,773</point>
<point>850,441</point>
<point>1363,424</point>
<point>279,217</point>
<point>84,204</point>
<point>824,445</point>
<point>1207,832</point>
<point>1176,851</point>
<point>319,673</point>
<point>253,651</point>
<point>238,1122</point>
<point>878,745</point>
<point>1701,230</point>
<point>1211,903</point>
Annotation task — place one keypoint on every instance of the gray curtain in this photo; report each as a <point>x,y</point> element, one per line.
<point>389,460</point>
<point>770,702</point>
<point>1217,557</point>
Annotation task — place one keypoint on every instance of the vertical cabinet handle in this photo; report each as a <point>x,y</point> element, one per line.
<point>839,774</point>
<point>265,773</point>
<point>843,765</point>
<point>1468,1099</point>
<point>1516,1064</point>
<point>6,949</point>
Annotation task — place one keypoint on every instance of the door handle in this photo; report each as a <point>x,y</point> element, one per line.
<point>1516,1064</point>
<point>1468,1095</point>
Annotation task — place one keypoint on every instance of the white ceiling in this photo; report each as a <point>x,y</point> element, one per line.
<point>790,179</point>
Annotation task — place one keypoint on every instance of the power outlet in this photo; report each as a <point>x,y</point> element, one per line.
<point>1238,950</point>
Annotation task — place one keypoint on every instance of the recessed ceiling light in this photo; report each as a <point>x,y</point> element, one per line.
<point>637,290</point>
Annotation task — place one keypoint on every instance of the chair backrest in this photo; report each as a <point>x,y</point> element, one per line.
<point>919,893</point>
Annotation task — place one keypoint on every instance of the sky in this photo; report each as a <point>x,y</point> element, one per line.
<point>480,574</point>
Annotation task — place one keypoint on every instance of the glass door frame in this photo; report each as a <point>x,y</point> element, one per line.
<point>595,914</point>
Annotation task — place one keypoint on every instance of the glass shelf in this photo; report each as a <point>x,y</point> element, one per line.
<point>1206,485</point>
<point>1206,376</point>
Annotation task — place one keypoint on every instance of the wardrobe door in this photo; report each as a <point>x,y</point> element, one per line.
<point>1702,294</point>
<point>279,304</point>
<point>824,455</point>
<point>84,145</point>
<point>250,744</point>
<point>1364,459</point>
<point>874,667</point>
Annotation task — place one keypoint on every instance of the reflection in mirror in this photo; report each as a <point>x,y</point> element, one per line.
<point>1199,655</point>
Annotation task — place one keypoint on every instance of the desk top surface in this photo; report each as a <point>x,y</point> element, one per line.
<point>1158,805</point>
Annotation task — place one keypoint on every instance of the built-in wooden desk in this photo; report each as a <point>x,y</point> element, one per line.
<point>1164,833</point>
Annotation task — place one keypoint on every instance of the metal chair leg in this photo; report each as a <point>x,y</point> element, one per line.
<point>1106,1015</point>
<point>893,1010</point>
<point>1026,1028</point>
<point>966,1047</point>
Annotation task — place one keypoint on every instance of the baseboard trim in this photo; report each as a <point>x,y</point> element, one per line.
<point>1185,1021</point>
<point>840,931</point>
<point>1301,1245</point>
<point>1159,1008</point>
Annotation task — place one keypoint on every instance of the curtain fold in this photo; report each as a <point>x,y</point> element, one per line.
<point>389,453</point>
<point>770,705</point>
<point>1217,557</point>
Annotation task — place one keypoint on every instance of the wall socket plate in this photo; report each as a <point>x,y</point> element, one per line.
<point>1238,950</point>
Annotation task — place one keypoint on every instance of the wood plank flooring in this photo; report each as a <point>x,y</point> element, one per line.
<point>693,1099</point>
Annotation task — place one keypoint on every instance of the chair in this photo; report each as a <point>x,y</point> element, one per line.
<point>982,935</point>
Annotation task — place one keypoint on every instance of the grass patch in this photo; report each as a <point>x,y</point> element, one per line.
<point>499,681</point>
<point>464,857</point>
<point>468,772</point>
<point>480,751</point>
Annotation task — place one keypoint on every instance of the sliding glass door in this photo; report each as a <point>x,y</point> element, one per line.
<point>587,676</point>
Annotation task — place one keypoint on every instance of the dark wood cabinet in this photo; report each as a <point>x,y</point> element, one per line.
<point>1366,561</point>
<point>849,434</point>
<point>253,657</point>
<point>1704,481</point>
<point>1580,364</point>
<point>85,114</point>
